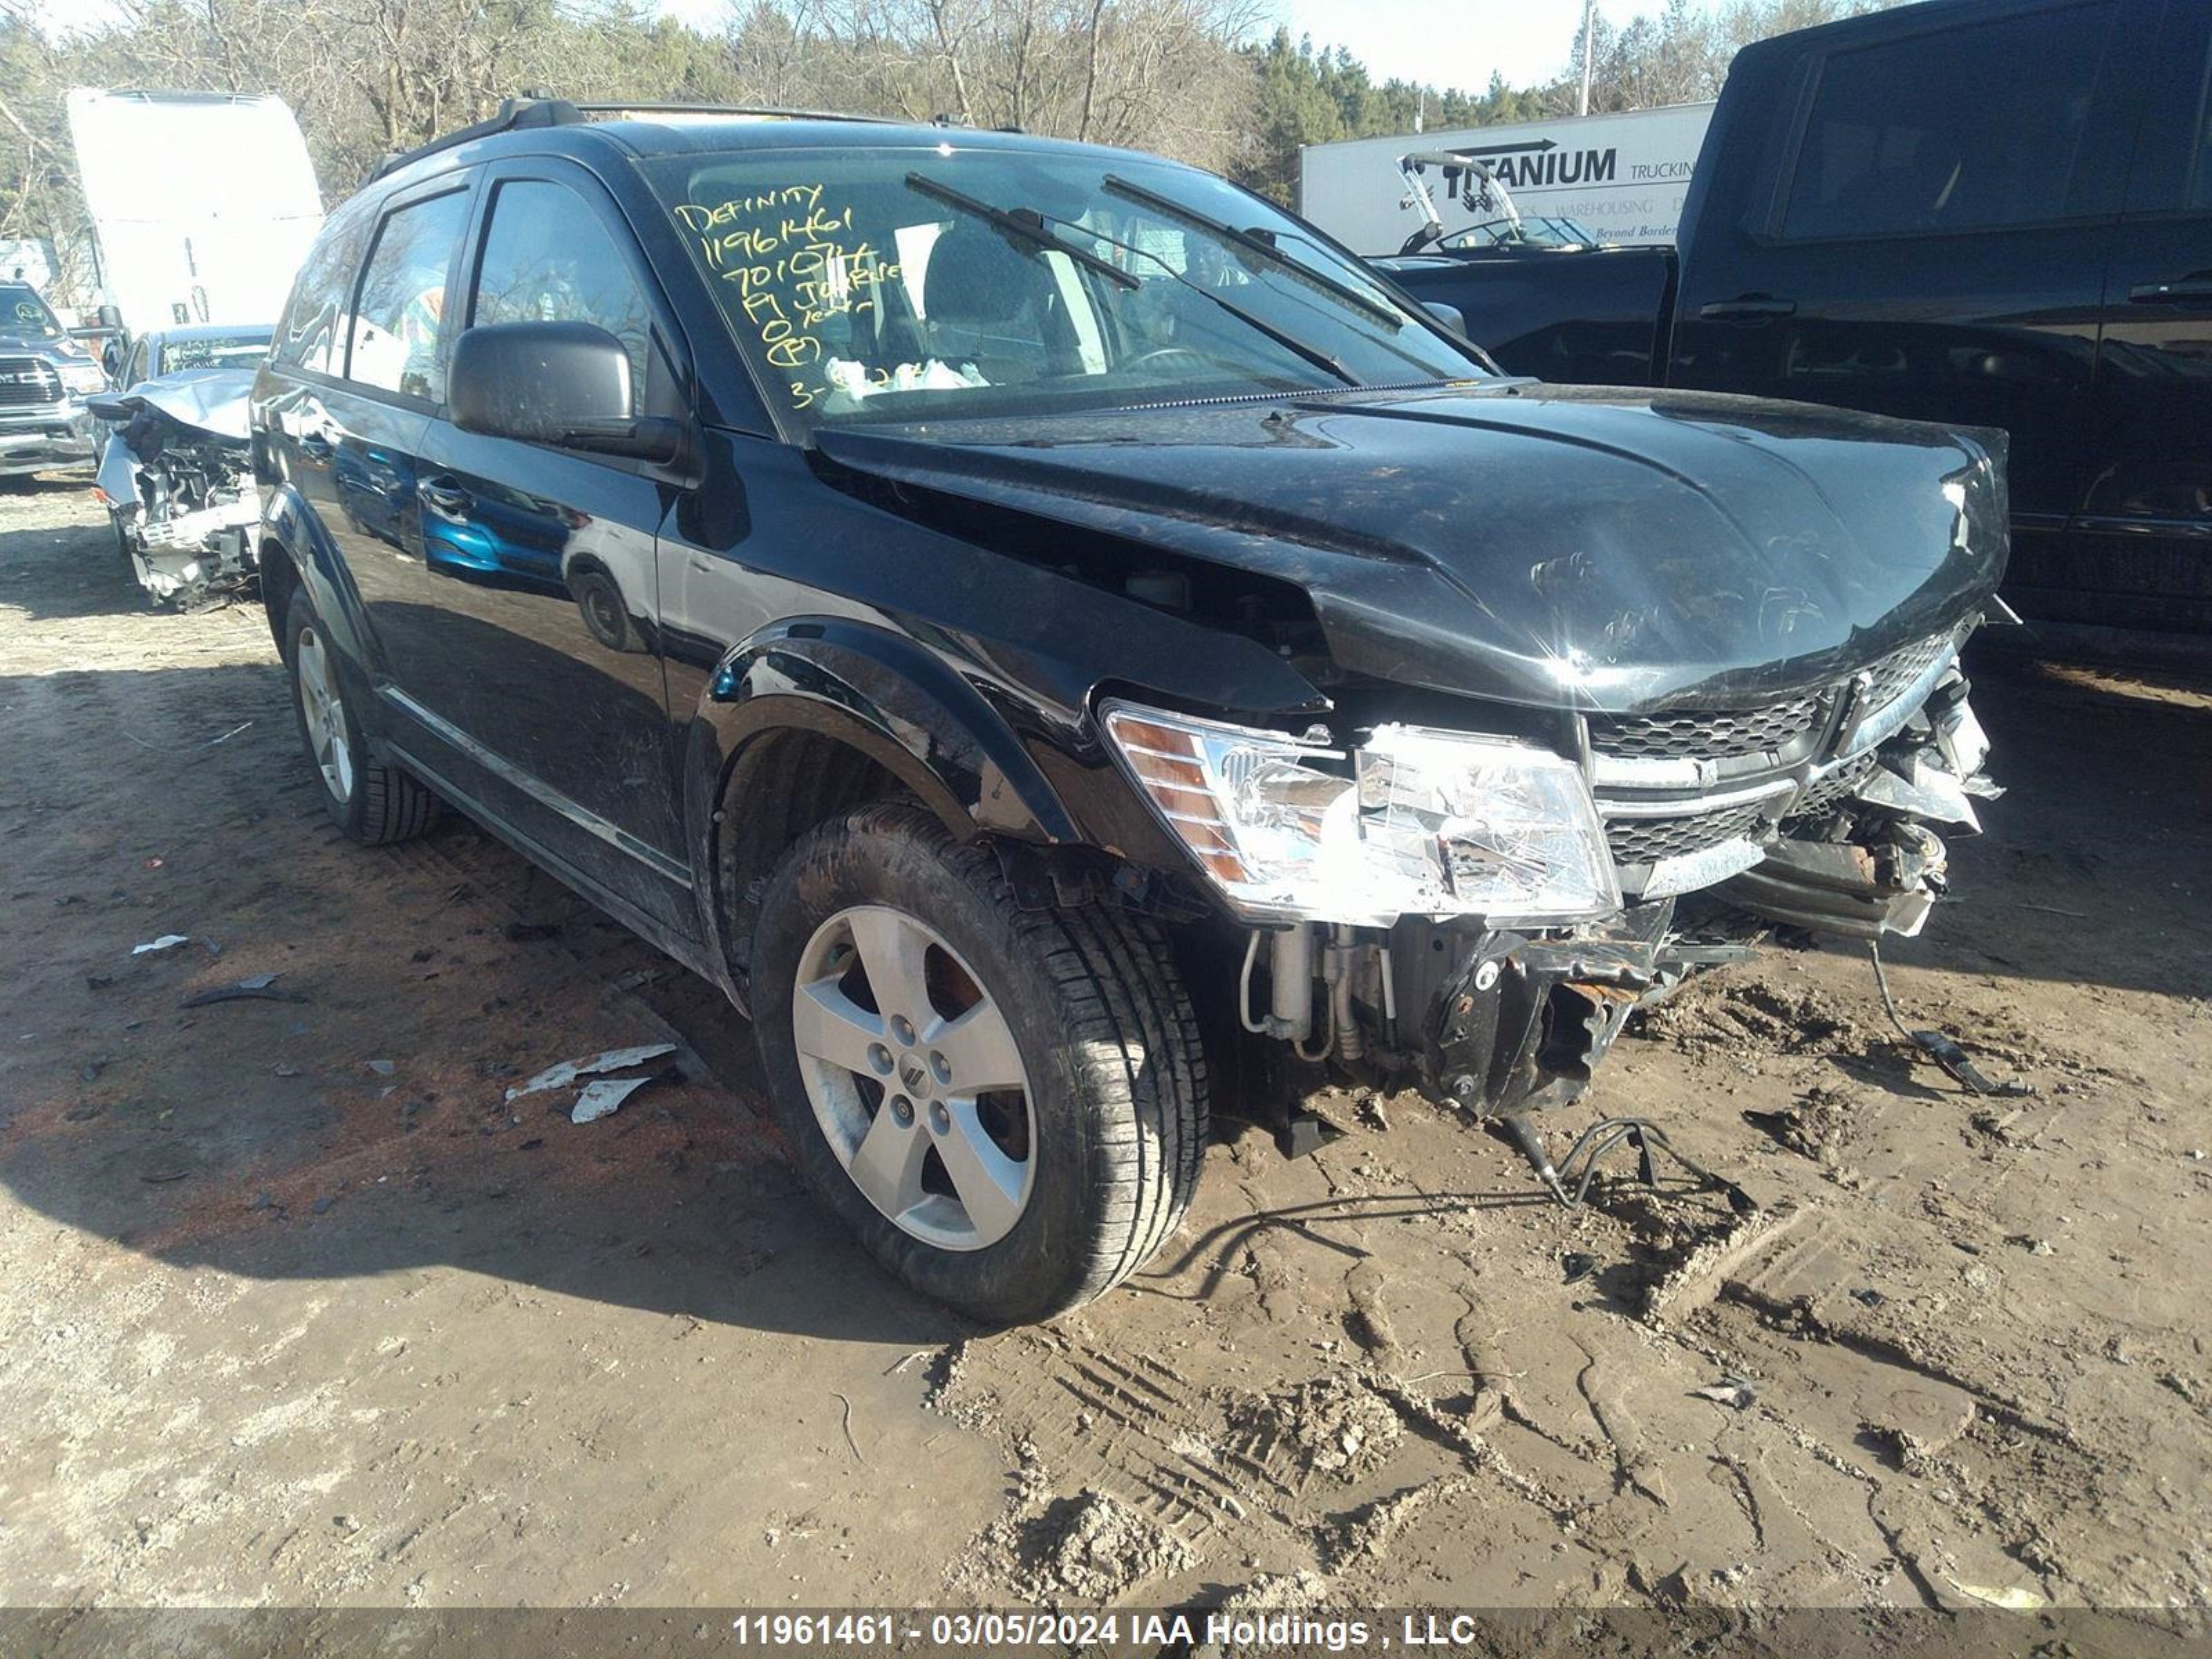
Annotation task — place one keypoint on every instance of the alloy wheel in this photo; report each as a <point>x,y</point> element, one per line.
<point>915,1077</point>
<point>325,716</point>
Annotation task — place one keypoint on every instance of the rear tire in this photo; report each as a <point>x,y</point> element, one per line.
<point>1086,1164</point>
<point>374,803</point>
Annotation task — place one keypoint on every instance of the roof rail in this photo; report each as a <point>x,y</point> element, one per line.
<point>541,109</point>
<point>531,109</point>
<point>751,112</point>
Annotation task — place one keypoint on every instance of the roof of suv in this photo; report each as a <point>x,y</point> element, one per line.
<point>678,131</point>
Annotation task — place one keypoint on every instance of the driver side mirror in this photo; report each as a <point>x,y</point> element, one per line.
<point>566,384</point>
<point>1449,315</point>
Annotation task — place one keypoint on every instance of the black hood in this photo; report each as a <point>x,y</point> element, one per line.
<point>57,346</point>
<point>1562,547</point>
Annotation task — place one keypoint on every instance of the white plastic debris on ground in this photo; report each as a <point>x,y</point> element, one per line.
<point>604,1096</point>
<point>167,942</point>
<point>614,1060</point>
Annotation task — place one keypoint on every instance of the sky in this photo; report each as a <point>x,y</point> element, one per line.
<point>1446,43</point>
<point>1452,43</point>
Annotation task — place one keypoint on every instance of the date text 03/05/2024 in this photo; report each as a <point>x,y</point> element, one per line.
<point>1000,1629</point>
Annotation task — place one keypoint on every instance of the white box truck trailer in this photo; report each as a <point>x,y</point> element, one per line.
<point>1620,177</point>
<point>201,205</point>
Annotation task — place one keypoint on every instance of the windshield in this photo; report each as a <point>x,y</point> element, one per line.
<point>23,312</point>
<point>230,351</point>
<point>937,283</point>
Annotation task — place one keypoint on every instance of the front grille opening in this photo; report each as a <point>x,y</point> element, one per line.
<point>1893,675</point>
<point>1832,791</point>
<point>28,383</point>
<point>1646,840</point>
<point>1705,734</point>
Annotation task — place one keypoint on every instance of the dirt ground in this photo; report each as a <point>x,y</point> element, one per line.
<point>297,1308</point>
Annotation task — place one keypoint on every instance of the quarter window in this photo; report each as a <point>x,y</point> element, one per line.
<point>399,331</point>
<point>548,258</point>
<point>1900,140</point>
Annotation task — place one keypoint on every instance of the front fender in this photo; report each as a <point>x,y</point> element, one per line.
<point>888,697</point>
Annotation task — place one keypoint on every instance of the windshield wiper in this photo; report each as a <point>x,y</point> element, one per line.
<point>1315,355</point>
<point>1023,226</point>
<point>1319,356</point>
<point>1257,245</point>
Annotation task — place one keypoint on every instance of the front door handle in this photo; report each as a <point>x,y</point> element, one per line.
<point>1747,308</point>
<point>2194,290</point>
<point>447,497</point>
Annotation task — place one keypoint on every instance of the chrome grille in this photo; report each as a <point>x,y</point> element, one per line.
<point>27,383</point>
<point>1645,841</point>
<point>1701,734</point>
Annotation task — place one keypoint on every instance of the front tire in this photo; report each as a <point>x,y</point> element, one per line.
<point>1007,1107</point>
<point>600,601</point>
<point>374,803</point>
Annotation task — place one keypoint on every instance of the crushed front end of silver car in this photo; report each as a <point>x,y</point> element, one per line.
<point>176,475</point>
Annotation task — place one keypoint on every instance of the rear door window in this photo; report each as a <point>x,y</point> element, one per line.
<point>548,258</point>
<point>400,342</point>
<point>1900,139</point>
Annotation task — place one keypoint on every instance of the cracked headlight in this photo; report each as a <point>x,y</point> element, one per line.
<point>1415,823</point>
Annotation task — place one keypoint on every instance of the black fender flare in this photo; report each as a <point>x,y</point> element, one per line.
<point>293,528</point>
<point>886,695</point>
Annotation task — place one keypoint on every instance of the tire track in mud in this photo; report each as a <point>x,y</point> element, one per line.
<point>1324,1472</point>
<point>1131,1427</point>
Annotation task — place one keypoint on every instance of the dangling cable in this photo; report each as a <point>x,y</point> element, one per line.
<point>1602,1138</point>
<point>1939,1048</point>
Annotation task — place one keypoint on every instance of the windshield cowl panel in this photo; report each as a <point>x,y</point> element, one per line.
<point>923,282</point>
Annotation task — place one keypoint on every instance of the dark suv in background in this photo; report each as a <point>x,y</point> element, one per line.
<point>1990,213</point>
<point>45,376</point>
<point>1063,645</point>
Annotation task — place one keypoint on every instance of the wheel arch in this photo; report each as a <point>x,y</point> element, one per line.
<point>813,716</point>
<point>296,552</point>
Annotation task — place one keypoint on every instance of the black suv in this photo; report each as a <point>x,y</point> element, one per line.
<point>1059,642</point>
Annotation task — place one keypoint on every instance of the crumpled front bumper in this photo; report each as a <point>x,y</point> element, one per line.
<point>1499,1022</point>
<point>1885,879</point>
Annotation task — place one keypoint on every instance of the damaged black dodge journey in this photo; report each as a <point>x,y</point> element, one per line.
<point>1063,646</point>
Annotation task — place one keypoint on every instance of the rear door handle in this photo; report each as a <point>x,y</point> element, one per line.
<point>447,497</point>
<point>2195,289</point>
<point>1747,308</point>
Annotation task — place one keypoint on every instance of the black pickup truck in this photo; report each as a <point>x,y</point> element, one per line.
<point>1995,213</point>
